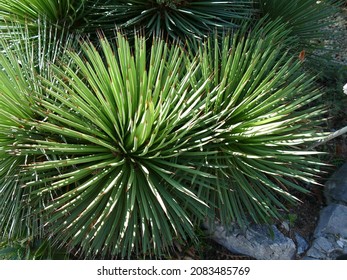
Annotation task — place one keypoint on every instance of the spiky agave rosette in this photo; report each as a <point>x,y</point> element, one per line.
<point>271,112</point>
<point>112,127</point>
<point>122,150</point>
<point>177,19</point>
<point>67,16</point>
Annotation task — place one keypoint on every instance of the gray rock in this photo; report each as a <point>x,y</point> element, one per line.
<point>342,242</point>
<point>336,187</point>
<point>328,247</point>
<point>314,253</point>
<point>332,220</point>
<point>330,236</point>
<point>260,242</point>
<point>323,244</point>
<point>302,244</point>
<point>321,249</point>
<point>309,258</point>
<point>335,254</point>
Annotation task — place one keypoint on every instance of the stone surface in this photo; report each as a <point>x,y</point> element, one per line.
<point>309,258</point>
<point>325,248</point>
<point>330,236</point>
<point>342,242</point>
<point>324,244</point>
<point>260,242</point>
<point>336,187</point>
<point>332,220</point>
<point>302,244</point>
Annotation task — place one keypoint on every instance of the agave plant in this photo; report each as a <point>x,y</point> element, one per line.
<point>31,14</point>
<point>177,18</point>
<point>100,146</point>
<point>267,104</point>
<point>119,149</point>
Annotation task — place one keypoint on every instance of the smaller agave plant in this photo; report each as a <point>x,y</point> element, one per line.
<point>32,14</point>
<point>179,19</point>
<point>270,118</point>
<point>176,19</point>
<point>24,60</point>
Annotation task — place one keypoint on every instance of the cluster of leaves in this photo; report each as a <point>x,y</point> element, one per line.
<point>176,18</point>
<point>109,148</point>
<point>28,249</point>
<point>307,21</point>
